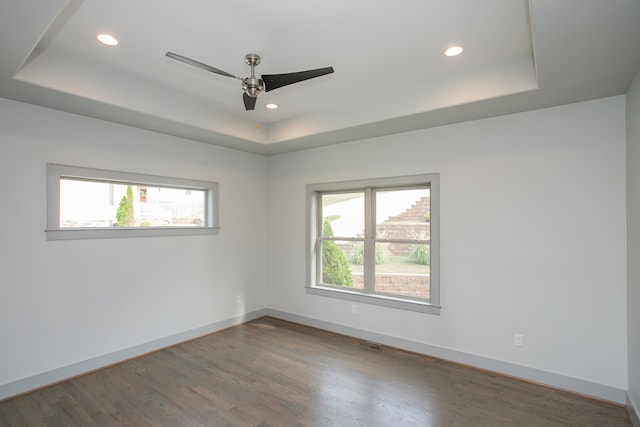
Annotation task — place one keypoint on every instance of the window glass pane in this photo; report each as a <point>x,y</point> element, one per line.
<point>336,269</point>
<point>403,269</point>
<point>343,214</point>
<point>354,252</point>
<point>99,204</point>
<point>403,214</point>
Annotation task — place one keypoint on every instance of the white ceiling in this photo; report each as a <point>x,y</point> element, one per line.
<point>390,72</point>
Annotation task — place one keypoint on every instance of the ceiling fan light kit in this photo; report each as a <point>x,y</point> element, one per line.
<point>253,86</point>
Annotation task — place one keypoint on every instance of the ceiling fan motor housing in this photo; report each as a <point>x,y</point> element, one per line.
<point>252,86</point>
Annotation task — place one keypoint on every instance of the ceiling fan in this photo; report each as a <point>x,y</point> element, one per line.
<point>253,86</point>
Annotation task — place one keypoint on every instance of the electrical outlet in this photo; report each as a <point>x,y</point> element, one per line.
<point>518,339</point>
<point>354,309</point>
<point>238,299</point>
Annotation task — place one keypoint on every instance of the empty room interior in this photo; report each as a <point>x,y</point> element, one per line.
<point>311,202</point>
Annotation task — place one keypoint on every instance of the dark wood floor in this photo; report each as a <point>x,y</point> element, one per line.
<point>274,373</point>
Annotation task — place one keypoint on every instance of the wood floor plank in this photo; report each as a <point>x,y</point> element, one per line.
<point>272,373</point>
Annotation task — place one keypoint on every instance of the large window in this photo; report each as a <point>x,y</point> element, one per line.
<point>376,241</point>
<point>93,203</point>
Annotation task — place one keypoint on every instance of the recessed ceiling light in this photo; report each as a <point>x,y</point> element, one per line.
<point>107,39</point>
<point>453,51</point>
<point>271,106</point>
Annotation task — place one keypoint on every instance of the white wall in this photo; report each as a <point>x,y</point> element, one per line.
<point>63,302</point>
<point>532,237</point>
<point>633,243</point>
<point>533,241</point>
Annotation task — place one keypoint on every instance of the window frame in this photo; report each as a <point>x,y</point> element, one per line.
<point>56,171</point>
<point>313,240</point>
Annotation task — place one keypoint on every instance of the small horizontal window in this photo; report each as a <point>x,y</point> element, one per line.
<point>93,203</point>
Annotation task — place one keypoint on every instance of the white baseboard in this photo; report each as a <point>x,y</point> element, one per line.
<point>599,391</point>
<point>633,410</point>
<point>56,375</point>
<point>576,385</point>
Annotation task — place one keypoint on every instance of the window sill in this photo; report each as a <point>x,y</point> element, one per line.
<point>382,300</point>
<point>108,233</point>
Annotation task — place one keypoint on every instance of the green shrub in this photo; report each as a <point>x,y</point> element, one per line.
<point>427,216</point>
<point>327,230</point>
<point>421,254</point>
<point>357,254</point>
<point>326,225</point>
<point>335,268</point>
<point>124,214</point>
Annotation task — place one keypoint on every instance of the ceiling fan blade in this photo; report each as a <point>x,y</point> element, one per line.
<point>249,102</point>
<point>274,81</point>
<point>199,65</point>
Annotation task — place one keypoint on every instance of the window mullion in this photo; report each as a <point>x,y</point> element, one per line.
<point>369,242</point>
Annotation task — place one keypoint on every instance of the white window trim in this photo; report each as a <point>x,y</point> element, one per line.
<point>54,232</point>
<point>313,286</point>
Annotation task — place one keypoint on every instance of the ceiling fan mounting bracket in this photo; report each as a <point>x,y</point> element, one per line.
<point>252,59</point>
